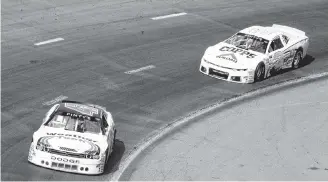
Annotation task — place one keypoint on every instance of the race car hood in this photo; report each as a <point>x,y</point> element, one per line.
<point>68,141</point>
<point>229,56</point>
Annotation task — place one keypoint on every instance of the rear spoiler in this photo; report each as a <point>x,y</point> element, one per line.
<point>289,30</point>
<point>88,104</point>
<point>96,106</point>
<point>71,101</point>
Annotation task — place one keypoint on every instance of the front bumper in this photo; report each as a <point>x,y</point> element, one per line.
<point>65,163</point>
<point>226,74</point>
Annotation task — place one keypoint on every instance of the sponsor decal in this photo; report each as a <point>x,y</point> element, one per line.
<point>289,55</point>
<point>72,137</point>
<point>237,50</point>
<point>67,149</point>
<point>91,146</point>
<point>82,109</point>
<point>78,115</point>
<point>62,159</point>
<point>230,57</point>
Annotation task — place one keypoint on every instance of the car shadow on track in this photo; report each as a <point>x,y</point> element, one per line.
<point>115,158</point>
<point>306,61</point>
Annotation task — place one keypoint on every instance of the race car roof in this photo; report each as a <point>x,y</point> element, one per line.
<point>79,108</point>
<point>260,31</point>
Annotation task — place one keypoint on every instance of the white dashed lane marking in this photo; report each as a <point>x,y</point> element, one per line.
<point>168,16</point>
<point>140,69</point>
<point>49,41</point>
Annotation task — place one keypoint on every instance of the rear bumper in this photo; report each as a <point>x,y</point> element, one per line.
<point>229,75</point>
<point>64,163</point>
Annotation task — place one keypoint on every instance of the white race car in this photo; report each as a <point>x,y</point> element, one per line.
<point>254,53</point>
<point>74,137</point>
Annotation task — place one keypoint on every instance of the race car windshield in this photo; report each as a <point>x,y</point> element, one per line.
<point>77,123</point>
<point>249,42</point>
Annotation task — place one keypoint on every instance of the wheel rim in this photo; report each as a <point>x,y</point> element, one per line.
<point>259,72</point>
<point>297,60</point>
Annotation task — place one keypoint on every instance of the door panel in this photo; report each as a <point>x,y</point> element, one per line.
<point>288,57</point>
<point>277,55</point>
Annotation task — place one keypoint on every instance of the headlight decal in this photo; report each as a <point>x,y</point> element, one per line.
<point>92,152</point>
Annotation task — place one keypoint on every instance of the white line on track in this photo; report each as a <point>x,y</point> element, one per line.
<point>49,41</point>
<point>169,16</point>
<point>57,99</point>
<point>140,69</point>
<point>162,132</point>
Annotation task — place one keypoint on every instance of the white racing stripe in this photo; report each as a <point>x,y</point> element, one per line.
<point>168,16</point>
<point>49,41</point>
<point>57,99</point>
<point>140,69</point>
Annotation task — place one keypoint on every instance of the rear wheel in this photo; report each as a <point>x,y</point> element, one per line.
<point>259,72</point>
<point>297,59</point>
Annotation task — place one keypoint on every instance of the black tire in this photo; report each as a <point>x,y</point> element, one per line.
<point>297,59</point>
<point>259,72</point>
<point>107,157</point>
<point>113,144</point>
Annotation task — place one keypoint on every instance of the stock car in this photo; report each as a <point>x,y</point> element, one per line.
<point>255,53</point>
<point>74,137</point>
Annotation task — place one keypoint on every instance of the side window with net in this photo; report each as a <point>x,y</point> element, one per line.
<point>271,47</point>
<point>276,44</point>
<point>104,120</point>
<point>285,38</point>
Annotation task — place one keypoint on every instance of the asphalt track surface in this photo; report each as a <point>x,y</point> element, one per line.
<point>105,39</point>
<point>267,138</point>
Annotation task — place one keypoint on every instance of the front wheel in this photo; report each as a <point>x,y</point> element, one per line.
<point>113,143</point>
<point>259,72</point>
<point>297,59</point>
<point>107,157</point>
<point>114,136</point>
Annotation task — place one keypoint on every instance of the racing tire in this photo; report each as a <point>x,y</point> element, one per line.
<point>113,144</point>
<point>107,157</point>
<point>107,150</point>
<point>105,162</point>
<point>259,72</point>
<point>297,59</point>
<point>114,139</point>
